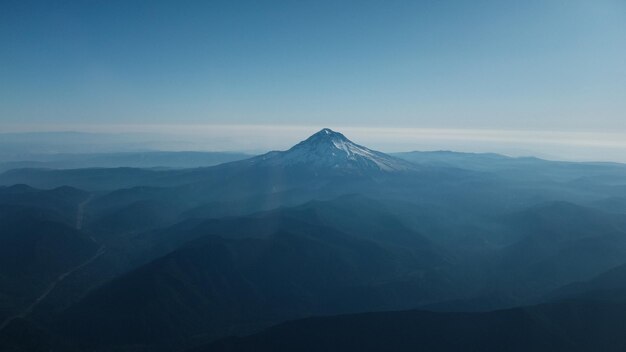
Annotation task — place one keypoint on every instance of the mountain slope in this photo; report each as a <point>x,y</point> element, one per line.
<point>610,285</point>
<point>35,248</point>
<point>262,269</point>
<point>572,326</point>
<point>214,286</point>
<point>560,243</point>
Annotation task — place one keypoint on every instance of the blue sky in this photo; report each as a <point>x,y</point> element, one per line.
<point>550,65</point>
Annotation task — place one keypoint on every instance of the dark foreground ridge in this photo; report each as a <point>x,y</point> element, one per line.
<point>568,326</point>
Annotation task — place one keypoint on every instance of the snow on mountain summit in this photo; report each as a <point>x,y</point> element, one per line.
<point>330,149</point>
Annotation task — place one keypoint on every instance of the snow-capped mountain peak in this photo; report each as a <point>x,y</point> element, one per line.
<point>330,149</point>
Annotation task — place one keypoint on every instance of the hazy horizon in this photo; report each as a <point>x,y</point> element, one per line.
<point>551,67</point>
<point>256,139</point>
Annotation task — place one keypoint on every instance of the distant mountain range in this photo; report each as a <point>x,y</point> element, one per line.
<point>128,159</point>
<point>436,250</point>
